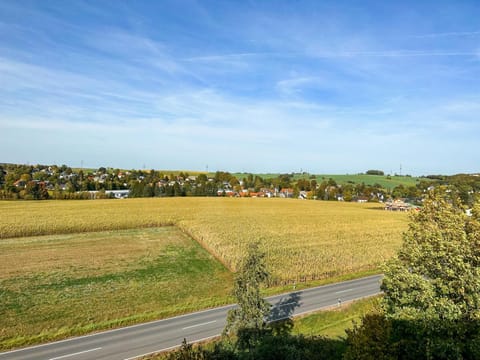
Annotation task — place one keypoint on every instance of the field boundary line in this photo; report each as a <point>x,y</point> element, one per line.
<point>200,242</point>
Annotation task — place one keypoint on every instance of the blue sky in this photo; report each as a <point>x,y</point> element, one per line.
<point>254,86</point>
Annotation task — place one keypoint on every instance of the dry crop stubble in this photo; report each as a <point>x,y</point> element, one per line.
<point>60,285</point>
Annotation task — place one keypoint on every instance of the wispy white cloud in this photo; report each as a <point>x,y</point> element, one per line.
<point>395,53</point>
<point>294,85</point>
<point>448,34</point>
<point>133,47</point>
<point>227,57</point>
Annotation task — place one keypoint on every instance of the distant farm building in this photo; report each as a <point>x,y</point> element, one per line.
<point>118,194</point>
<point>397,205</point>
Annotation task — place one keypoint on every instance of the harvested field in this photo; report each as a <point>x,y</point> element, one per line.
<point>60,285</point>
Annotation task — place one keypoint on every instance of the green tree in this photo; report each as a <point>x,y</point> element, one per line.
<point>348,192</point>
<point>370,340</point>
<point>40,176</point>
<point>375,172</point>
<point>148,191</point>
<point>247,321</point>
<point>433,285</point>
<point>178,190</point>
<point>31,191</point>
<point>43,191</point>
<point>202,178</point>
<point>136,189</point>
<point>431,304</point>
<point>159,190</point>
<point>26,177</point>
<point>234,182</point>
<point>437,271</point>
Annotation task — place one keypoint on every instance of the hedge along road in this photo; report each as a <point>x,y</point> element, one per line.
<point>137,340</point>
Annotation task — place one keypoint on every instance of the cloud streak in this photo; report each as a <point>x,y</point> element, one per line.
<point>396,53</point>
<point>448,34</point>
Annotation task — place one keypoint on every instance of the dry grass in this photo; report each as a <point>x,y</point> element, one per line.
<point>59,285</point>
<point>303,239</point>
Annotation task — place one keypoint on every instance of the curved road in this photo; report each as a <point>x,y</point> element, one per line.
<point>137,340</point>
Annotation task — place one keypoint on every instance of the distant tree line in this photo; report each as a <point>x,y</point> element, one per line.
<point>375,172</point>
<point>62,182</point>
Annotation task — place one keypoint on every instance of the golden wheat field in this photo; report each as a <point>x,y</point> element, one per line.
<point>302,239</point>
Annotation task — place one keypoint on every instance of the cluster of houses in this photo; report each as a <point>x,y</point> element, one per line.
<point>262,193</point>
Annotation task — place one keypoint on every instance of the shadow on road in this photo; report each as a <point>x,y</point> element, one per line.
<point>281,313</point>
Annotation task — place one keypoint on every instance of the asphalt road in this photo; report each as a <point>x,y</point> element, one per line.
<point>134,341</point>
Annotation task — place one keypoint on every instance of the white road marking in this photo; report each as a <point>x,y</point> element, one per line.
<point>193,326</point>
<point>342,291</point>
<point>125,328</point>
<point>77,353</point>
<point>155,322</point>
<point>172,347</point>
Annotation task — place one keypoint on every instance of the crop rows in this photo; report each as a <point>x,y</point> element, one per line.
<point>302,239</point>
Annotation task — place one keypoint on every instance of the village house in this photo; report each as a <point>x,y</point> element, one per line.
<point>286,193</point>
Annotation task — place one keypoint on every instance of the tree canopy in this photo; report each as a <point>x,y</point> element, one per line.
<point>249,318</point>
<point>436,274</point>
<point>431,306</point>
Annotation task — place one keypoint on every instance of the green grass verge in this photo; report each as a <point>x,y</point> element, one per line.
<point>333,323</point>
<point>328,323</point>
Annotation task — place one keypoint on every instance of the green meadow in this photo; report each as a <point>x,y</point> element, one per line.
<point>56,286</point>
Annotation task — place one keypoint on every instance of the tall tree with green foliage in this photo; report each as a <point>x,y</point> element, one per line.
<point>431,304</point>
<point>436,274</point>
<point>247,321</point>
<point>433,286</point>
